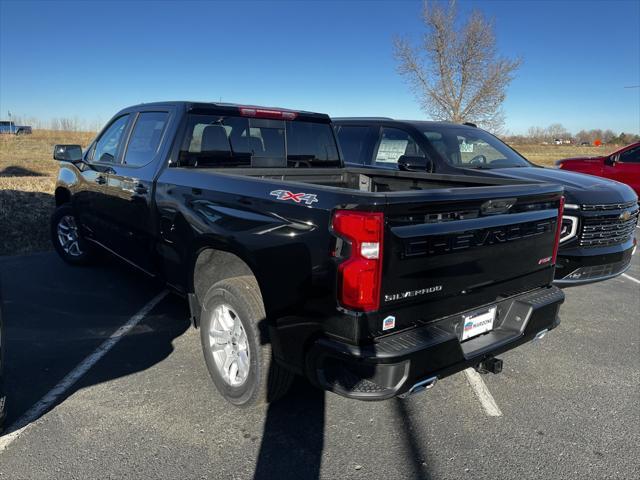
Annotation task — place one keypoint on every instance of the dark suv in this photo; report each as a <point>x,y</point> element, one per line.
<point>600,215</point>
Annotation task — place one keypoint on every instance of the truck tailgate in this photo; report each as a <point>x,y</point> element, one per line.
<point>442,256</point>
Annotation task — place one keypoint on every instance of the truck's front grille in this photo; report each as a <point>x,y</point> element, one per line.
<point>598,271</point>
<point>608,229</point>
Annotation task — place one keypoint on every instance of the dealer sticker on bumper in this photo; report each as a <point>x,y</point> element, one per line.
<point>478,322</point>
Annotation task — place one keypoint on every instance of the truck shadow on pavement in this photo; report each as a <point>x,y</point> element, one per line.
<point>56,315</point>
<point>294,433</point>
<point>293,436</point>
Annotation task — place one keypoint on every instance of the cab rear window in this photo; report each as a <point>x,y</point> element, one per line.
<point>218,141</point>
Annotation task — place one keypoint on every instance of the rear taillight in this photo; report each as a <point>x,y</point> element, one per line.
<point>360,274</point>
<point>267,113</point>
<point>556,243</point>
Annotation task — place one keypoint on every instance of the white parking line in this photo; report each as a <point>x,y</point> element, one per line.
<point>483,393</point>
<point>72,377</point>
<point>630,278</point>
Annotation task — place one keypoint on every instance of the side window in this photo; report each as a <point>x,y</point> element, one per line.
<point>393,144</point>
<point>461,150</point>
<point>631,156</point>
<point>145,138</point>
<point>107,146</point>
<point>351,141</point>
<point>475,150</point>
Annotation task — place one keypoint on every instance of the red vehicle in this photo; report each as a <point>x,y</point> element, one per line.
<point>622,165</point>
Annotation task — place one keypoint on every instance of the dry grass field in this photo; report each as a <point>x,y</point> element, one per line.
<point>27,181</point>
<point>546,155</point>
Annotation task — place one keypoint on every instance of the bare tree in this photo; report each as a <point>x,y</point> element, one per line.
<point>455,72</point>
<point>556,131</point>
<point>583,137</point>
<point>65,124</point>
<point>69,124</point>
<point>608,135</point>
<point>536,134</point>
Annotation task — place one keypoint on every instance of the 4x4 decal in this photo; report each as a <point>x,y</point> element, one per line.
<point>302,197</point>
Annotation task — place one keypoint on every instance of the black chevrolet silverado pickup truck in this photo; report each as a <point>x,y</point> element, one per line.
<point>372,284</point>
<point>597,239</point>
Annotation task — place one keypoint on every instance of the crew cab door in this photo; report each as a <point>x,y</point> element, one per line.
<point>129,188</point>
<point>625,168</point>
<point>89,197</point>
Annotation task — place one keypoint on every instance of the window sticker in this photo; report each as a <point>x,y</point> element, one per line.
<point>466,147</point>
<point>391,150</point>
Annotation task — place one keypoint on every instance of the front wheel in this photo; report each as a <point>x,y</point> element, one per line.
<point>66,237</point>
<point>237,353</point>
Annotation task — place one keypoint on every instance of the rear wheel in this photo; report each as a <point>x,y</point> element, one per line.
<point>67,238</point>
<point>236,350</point>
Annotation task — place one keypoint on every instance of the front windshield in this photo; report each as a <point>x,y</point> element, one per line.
<point>467,147</point>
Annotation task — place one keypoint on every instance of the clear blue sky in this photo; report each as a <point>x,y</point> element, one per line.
<point>89,59</point>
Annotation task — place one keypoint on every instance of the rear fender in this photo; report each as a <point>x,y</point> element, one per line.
<point>212,263</point>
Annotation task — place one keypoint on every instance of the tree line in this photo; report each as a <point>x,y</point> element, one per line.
<point>65,124</point>
<point>557,132</point>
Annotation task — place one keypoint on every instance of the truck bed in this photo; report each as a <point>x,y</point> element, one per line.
<point>366,179</point>
<point>442,252</point>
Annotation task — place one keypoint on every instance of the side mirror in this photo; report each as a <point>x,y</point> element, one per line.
<point>611,161</point>
<point>410,163</point>
<point>67,153</point>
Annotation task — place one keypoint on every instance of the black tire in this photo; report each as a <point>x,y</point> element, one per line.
<point>266,381</point>
<point>86,252</point>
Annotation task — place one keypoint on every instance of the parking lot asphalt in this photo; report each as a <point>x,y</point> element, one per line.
<point>147,408</point>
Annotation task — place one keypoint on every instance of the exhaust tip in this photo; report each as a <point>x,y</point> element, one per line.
<point>541,334</point>
<point>423,385</point>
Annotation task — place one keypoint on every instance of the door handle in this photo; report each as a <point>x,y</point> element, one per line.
<point>141,189</point>
<point>100,180</point>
